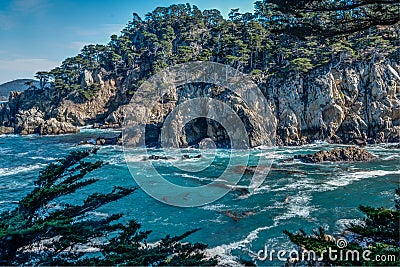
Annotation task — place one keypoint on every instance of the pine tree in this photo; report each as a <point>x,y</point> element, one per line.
<point>326,17</point>
<point>43,230</point>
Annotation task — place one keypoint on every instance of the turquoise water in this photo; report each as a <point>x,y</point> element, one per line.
<point>322,194</point>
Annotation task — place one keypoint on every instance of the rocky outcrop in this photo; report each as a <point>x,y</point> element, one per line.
<point>52,111</point>
<point>339,103</point>
<point>54,127</point>
<point>6,130</point>
<point>343,102</point>
<point>202,127</point>
<point>351,153</point>
<point>33,121</point>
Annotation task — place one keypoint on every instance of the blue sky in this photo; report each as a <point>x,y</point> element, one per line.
<point>38,34</point>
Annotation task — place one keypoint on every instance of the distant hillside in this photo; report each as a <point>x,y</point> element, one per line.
<point>16,85</point>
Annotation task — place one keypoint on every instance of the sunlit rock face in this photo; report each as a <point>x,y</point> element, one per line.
<point>340,102</point>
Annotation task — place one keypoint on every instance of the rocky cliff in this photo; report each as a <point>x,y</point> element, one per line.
<point>345,101</point>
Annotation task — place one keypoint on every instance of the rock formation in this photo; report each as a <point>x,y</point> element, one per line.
<point>358,100</point>
<point>351,153</point>
<point>340,102</point>
<point>6,130</point>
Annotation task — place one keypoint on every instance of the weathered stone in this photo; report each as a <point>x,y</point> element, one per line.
<point>54,127</point>
<point>337,155</point>
<point>356,100</point>
<point>6,130</point>
<point>185,156</point>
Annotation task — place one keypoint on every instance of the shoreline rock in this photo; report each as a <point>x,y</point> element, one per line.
<point>54,127</point>
<point>354,103</point>
<point>6,130</point>
<point>104,141</point>
<point>348,154</point>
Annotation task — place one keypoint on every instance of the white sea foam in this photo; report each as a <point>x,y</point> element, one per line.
<point>224,252</point>
<point>215,207</point>
<point>9,135</point>
<point>19,169</point>
<point>347,178</point>
<point>297,206</point>
<point>12,185</point>
<point>43,158</point>
<point>134,158</point>
<point>391,157</point>
<point>194,177</point>
<point>9,202</point>
<point>342,224</point>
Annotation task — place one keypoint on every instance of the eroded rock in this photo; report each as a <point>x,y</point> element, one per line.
<point>6,130</point>
<point>351,154</point>
<point>54,127</point>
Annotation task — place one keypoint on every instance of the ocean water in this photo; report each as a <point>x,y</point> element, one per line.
<point>293,196</point>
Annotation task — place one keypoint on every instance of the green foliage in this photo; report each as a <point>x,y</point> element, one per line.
<point>326,17</point>
<point>44,230</point>
<point>89,92</point>
<point>380,229</point>
<point>279,37</point>
<point>302,64</point>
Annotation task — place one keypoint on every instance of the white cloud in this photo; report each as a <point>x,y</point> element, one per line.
<point>10,17</point>
<point>77,45</point>
<point>24,68</point>
<point>28,64</point>
<point>98,35</point>
<point>113,28</point>
<point>100,30</point>
<point>30,5</point>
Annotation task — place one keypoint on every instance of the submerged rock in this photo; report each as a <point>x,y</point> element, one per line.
<point>185,156</point>
<point>397,146</point>
<point>336,155</point>
<point>155,157</point>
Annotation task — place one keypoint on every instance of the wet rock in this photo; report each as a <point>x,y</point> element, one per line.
<point>342,104</point>
<point>185,156</point>
<point>29,121</point>
<point>109,126</point>
<point>337,155</point>
<point>104,141</point>
<point>358,142</point>
<point>6,130</point>
<point>155,157</point>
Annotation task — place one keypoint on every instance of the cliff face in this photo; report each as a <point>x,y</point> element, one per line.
<point>342,102</point>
